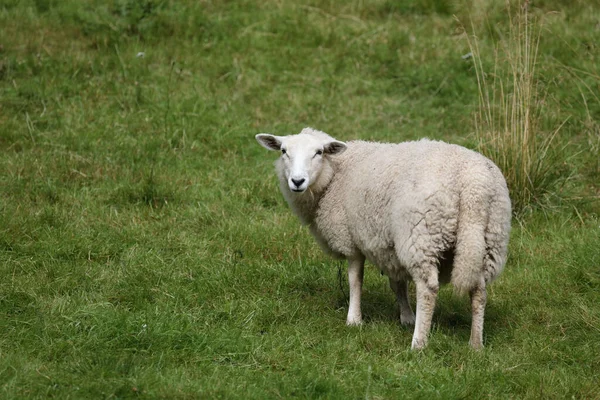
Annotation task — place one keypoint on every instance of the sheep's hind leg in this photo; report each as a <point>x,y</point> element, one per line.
<point>407,316</point>
<point>427,290</point>
<point>478,301</point>
<point>355,281</point>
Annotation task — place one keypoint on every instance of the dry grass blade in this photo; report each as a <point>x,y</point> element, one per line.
<point>511,107</point>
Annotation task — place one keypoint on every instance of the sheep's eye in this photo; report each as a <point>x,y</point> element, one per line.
<point>319,152</point>
<point>283,151</point>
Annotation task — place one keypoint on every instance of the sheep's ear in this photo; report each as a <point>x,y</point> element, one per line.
<point>269,142</point>
<point>335,147</point>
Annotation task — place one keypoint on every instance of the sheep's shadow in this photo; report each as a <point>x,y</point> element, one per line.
<point>452,313</point>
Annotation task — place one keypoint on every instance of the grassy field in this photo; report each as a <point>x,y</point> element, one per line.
<point>146,252</point>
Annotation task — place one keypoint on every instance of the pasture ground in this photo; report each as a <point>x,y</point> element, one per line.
<point>145,250</point>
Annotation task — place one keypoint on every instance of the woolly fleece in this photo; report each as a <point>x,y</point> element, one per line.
<point>418,210</point>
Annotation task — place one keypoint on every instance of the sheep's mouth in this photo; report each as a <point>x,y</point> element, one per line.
<point>298,190</point>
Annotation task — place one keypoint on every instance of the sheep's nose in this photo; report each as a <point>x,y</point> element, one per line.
<point>298,182</point>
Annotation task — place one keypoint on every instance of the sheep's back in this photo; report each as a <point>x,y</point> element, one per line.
<point>384,194</point>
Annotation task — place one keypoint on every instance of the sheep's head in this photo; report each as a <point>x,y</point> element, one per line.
<point>303,156</point>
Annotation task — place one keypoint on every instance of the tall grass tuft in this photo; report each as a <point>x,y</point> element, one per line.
<point>512,106</point>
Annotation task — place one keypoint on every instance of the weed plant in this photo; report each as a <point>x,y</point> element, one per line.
<point>512,104</point>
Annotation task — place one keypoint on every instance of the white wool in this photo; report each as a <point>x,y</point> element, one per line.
<point>425,210</point>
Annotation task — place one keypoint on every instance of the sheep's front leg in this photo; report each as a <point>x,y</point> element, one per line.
<point>355,280</point>
<point>478,300</point>
<point>407,316</point>
<point>426,295</point>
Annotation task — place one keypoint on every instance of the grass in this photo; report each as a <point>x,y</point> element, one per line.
<point>147,253</point>
<point>512,110</point>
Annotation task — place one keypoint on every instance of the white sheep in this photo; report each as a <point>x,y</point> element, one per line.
<point>428,211</point>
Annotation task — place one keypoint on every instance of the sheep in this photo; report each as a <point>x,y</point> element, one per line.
<point>425,211</point>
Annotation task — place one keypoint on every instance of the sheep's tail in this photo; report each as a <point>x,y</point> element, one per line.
<point>470,249</point>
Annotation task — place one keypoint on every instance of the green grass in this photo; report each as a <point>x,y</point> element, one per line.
<point>146,251</point>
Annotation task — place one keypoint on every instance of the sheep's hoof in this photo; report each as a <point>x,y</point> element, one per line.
<point>477,346</point>
<point>407,320</point>
<point>354,322</point>
<point>418,344</point>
